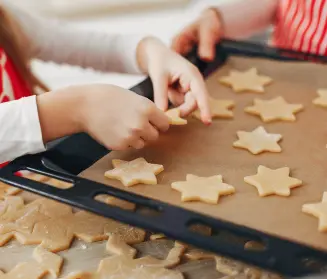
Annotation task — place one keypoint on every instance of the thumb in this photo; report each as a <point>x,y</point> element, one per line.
<point>160,88</point>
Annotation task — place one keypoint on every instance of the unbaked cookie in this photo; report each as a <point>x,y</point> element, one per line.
<point>273,182</point>
<point>258,141</point>
<point>318,210</point>
<point>174,117</point>
<point>218,109</point>
<point>246,81</point>
<point>205,189</point>
<point>274,109</point>
<point>322,99</point>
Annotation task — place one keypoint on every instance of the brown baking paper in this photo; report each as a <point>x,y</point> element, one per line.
<point>206,151</point>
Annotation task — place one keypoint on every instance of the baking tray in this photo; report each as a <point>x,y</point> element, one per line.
<point>77,153</point>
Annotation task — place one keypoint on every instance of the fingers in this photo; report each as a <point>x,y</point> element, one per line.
<point>149,133</point>
<point>138,143</point>
<point>176,97</point>
<point>210,31</point>
<point>188,106</point>
<point>184,41</point>
<point>160,88</point>
<point>201,95</point>
<point>159,119</point>
<point>207,41</point>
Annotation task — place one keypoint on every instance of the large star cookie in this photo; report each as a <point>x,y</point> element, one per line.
<point>270,182</point>
<point>246,81</point>
<point>134,172</point>
<point>218,109</point>
<point>318,210</point>
<point>205,189</point>
<point>274,109</point>
<point>258,141</point>
<point>322,99</point>
<point>174,117</point>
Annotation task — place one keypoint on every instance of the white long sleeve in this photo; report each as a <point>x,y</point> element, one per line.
<point>243,18</point>
<point>20,131</point>
<point>61,42</point>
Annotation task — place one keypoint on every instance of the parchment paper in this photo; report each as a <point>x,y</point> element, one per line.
<point>206,151</point>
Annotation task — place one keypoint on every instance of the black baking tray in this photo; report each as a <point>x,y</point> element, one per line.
<point>66,159</point>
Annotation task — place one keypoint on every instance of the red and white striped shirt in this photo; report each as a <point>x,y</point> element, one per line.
<point>299,25</point>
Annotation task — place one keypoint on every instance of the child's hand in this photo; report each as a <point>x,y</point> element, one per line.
<point>205,32</point>
<point>174,79</point>
<point>115,117</point>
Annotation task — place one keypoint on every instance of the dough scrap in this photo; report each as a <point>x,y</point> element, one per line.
<point>134,172</point>
<point>276,109</point>
<point>53,225</point>
<point>7,190</point>
<point>174,117</point>
<point>322,99</point>
<point>116,202</point>
<point>118,247</point>
<point>157,236</point>
<point>218,109</point>
<point>197,254</point>
<point>44,263</point>
<point>273,181</point>
<point>258,141</point>
<point>318,210</point>
<point>123,267</point>
<point>246,81</point>
<point>205,189</point>
<point>49,261</point>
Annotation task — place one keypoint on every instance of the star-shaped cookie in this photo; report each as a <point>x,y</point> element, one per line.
<point>318,210</point>
<point>273,182</point>
<point>258,141</point>
<point>134,172</point>
<point>322,99</point>
<point>205,189</point>
<point>246,81</point>
<point>218,108</point>
<point>174,117</point>
<point>274,109</point>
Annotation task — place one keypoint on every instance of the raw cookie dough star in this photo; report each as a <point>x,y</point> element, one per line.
<point>218,108</point>
<point>246,81</point>
<point>318,210</point>
<point>174,117</point>
<point>258,141</point>
<point>269,181</point>
<point>322,99</point>
<point>205,189</point>
<point>274,109</point>
<point>134,172</point>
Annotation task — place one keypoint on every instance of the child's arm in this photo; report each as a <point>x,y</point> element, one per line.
<point>113,116</point>
<point>61,42</point>
<point>235,19</point>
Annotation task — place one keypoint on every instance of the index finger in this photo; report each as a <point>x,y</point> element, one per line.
<point>159,119</point>
<point>201,95</point>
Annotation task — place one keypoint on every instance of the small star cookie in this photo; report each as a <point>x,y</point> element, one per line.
<point>134,172</point>
<point>174,117</point>
<point>246,81</point>
<point>258,141</point>
<point>218,108</point>
<point>270,182</point>
<point>318,210</point>
<point>205,189</point>
<point>274,109</point>
<point>322,99</point>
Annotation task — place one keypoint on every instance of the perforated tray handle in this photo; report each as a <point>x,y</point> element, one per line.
<point>280,255</point>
